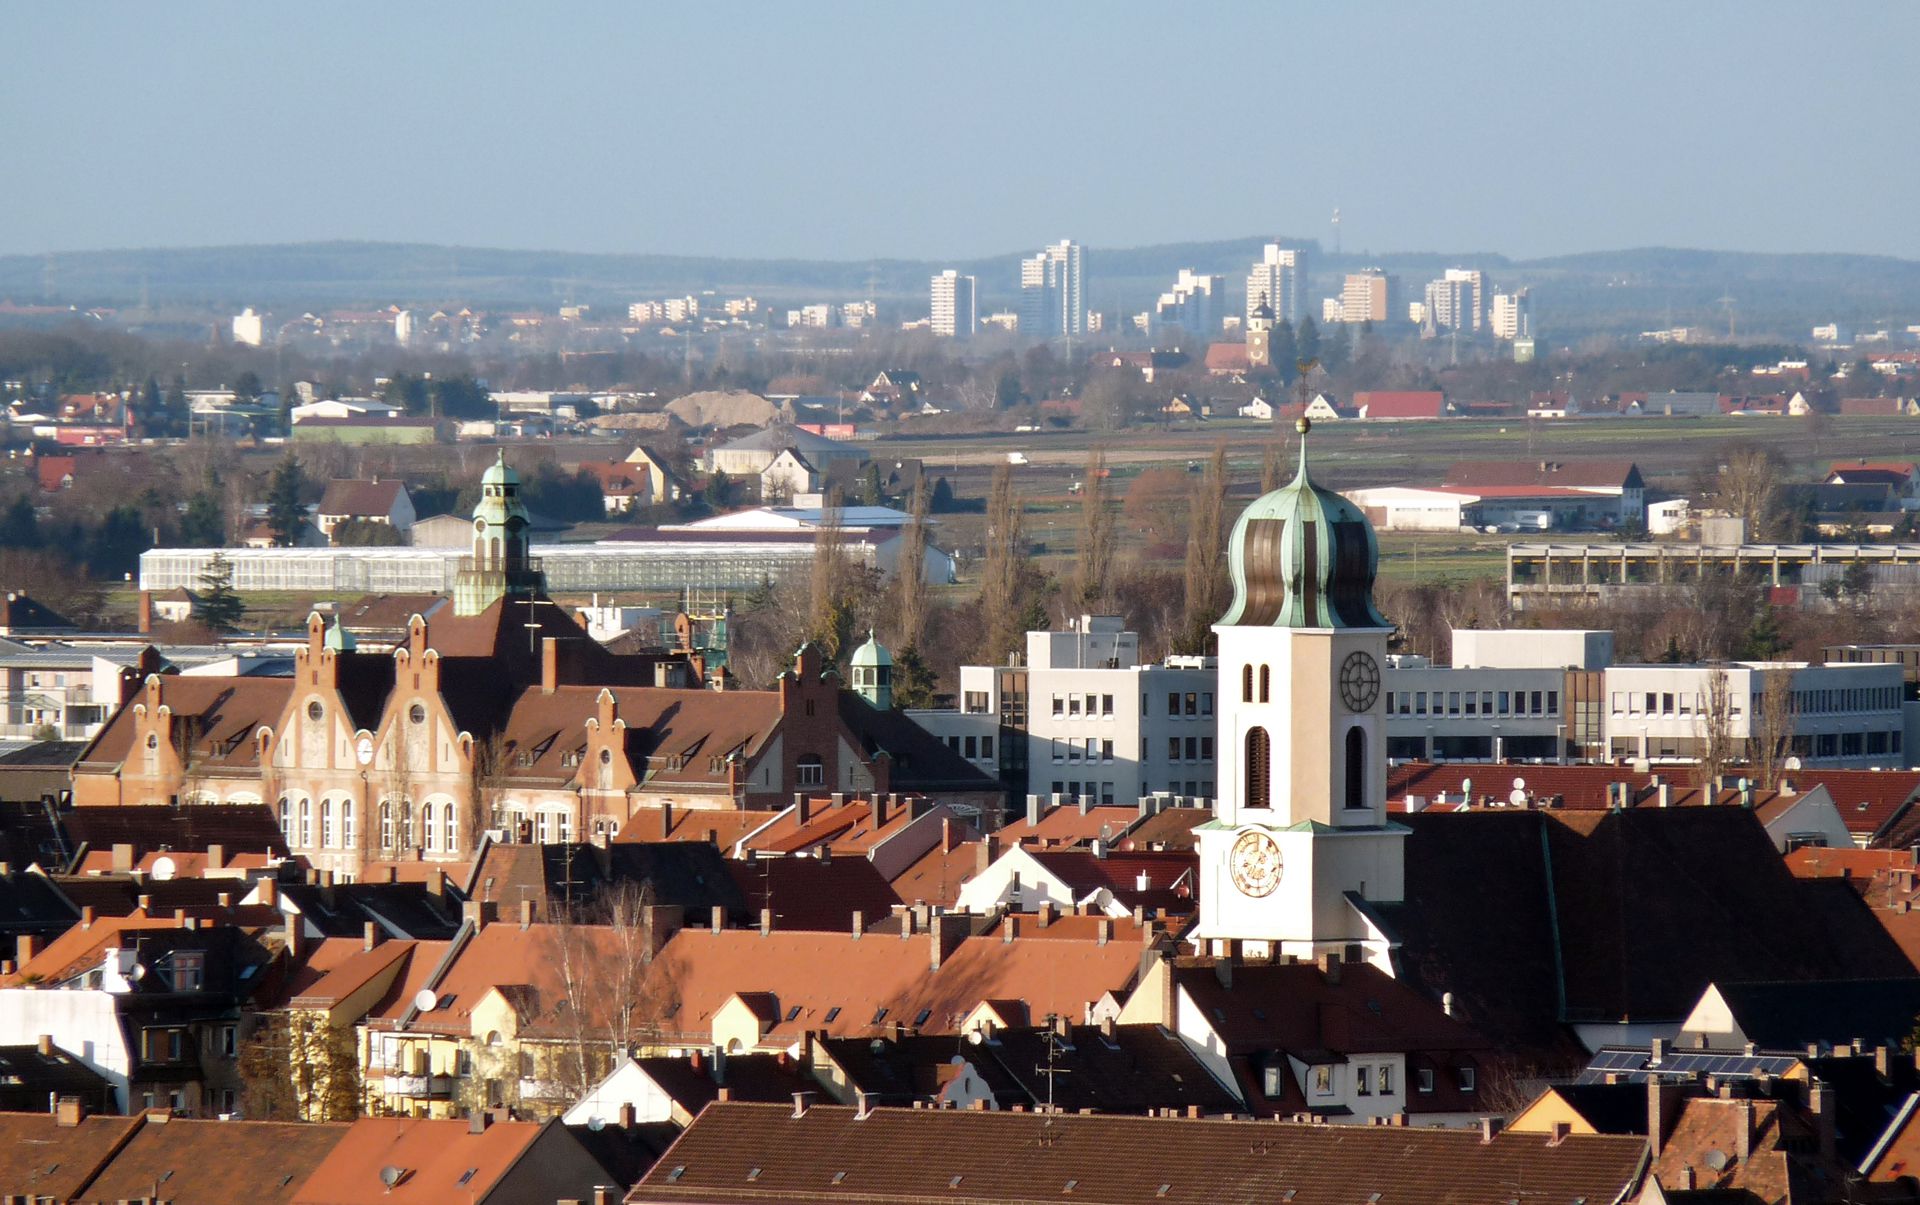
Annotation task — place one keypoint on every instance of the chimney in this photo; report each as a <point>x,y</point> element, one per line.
<point>1330,967</point>
<point>549,665</point>
<point>1657,1052</point>
<point>766,921</point>
<point>123,856</point>
<point>802,1101</point>
<point>1743,1132</point>
<point>1222,970</point>
<point>86,916</point>
<point>666,821</point>
<point>477,1119</point>
<point>719,918</point>
<point>985,852</point>
<point>216,857</point>
<point>863,1105</point>
<point>1659,1115</point>
<point>46,1045</point>
<point>68,1112</point>
<point>1046,914</point>
<point>25,947</point>
<point>474,912</point>
<point>146,612</point>
<point>296,937</point>
<point>1561,1130</point>
<point>946,834</point>
<point>859,923</point>
<point>526,912</point>
<point>880,809</point>
<point>1035,809</point>
<point>1823,1106</point>
<point>1104,928</point>
<point>945,932</point>
<point>802,807</point>
<point>1882,1060</point>
<point>436,882</point>
<point>1489,1126</point>
<point>626,1115</point>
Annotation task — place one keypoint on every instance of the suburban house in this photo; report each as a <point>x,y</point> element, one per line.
<point>375,501</point>
<point>1401,406</point>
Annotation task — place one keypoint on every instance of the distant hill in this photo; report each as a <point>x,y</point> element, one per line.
<point>1602,290</point>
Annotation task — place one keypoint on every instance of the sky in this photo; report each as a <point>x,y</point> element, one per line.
<point>923,131</point>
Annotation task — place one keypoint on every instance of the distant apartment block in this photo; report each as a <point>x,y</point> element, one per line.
<point>1279,281</point>
<point>1512,315</point>
<point>1369,296</point>
<point>1052,299</point>
<point>1457,301</point>
<point>1192,304</point>
<point>954,310</point>
<point>247,327</point>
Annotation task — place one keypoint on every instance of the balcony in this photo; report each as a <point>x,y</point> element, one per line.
<point>424,1087</point>
<point>546,1089</point>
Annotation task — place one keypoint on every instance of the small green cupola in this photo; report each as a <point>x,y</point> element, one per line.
<point>338,639</point>
<point>1303,557</point>
<point>872,667</point>
<point>501,563</point>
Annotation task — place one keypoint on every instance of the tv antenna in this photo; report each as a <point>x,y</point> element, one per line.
<point>1052,1069</point>
<point>1336,230</point>
<point>1726,303</point>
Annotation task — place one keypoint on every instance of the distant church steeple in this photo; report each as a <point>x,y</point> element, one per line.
<point>500,564</point>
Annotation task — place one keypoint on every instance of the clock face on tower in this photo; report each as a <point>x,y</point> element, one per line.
<point>1359,682</point>
<point>1254,864</point>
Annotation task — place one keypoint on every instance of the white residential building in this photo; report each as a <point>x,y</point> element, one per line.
<point>1457,301</point>
<point>1052,292</point>
<point>247,327</point>
<point>954,312</point>
<point>1512,316</point>
<point>1279,281</point>
<point>1192,304</point>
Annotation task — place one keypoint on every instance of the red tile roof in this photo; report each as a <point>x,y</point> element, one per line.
<point>828,1154</point>
<point>1404,404</point>
<point>361,499</point>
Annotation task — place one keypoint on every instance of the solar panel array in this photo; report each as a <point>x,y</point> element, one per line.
<point>1630,1064</point>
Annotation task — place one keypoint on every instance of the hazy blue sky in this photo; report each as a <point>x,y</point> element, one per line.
<point>904,129</point>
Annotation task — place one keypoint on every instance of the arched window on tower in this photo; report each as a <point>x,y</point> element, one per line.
<point>1356,767</point>
<point>1266,684</point>
<point>1259,769</point>
<point>1246,683</point>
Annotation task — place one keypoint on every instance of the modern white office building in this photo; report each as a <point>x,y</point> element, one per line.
<point>1835,715</point>
<point>1512,316</point>
<point>1083,718</point>
<point>954,312</point>
<point>1192,304</point>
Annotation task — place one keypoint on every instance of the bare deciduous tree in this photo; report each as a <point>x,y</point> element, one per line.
<point>614,997</point>
<point>827,579</point>
<point>1206,570</point>
<point>1716,728</point>
<point>1093,566</point>
<point>1003,571</point>
<point>911,570</point>
<point>1773,724</point>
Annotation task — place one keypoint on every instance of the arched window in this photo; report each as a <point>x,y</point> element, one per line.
<point>326,823</point>
<point>432,830</point>
<point>406,825</point>
<point>1266,683</point>
<point>446,817</point>
<point>386,824</point>
<point>1246,683</point>
<point>1259,769</point>
<point>286,820</point>
<point>306,824</point>
<point>1356,767</point>
<point>346,824</point>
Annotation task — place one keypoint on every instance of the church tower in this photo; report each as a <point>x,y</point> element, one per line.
<point>872,667</point>
<point>500,564</point>
<point>1300,830</point>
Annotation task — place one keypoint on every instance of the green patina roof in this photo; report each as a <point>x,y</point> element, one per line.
<point>1303,557</point>
<point>872,654</point>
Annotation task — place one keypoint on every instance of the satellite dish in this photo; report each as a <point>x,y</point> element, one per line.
<point>596,1123</point>
<point>164,868</point>
<point>1792,763</point>
<point>1716,1159</point>
<point>1519,784</point>
<point>1518,798</point>
<point>424,1000</point>
<point>390,1175</point>
<point>138,972</point>
<point>976,1037</point>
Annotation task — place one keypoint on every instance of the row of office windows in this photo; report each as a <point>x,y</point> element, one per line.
<point>973,748</point>
<point>1474,702</point>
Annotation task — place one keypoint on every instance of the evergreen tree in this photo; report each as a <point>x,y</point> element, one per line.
<point>20,525</point>
<point>220,606</point>
<point>203,525</point>
<point>286,511</point>
<point>1282,348</point>
<point>1307,340</point>
<point>913,679</point>
<point>115,546</point>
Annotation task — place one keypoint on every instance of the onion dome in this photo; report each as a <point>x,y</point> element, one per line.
<point>1303,557</point>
